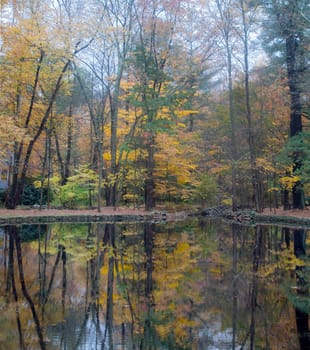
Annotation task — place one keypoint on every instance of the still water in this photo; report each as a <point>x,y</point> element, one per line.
<point>195,284</point>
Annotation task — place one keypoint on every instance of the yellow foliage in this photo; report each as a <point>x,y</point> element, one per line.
<point>273,189</point>
<point>175,160</point>
<point>185,113</point>
<point>286,260</point>
<point>265,165</point>
<point>173,285</point>
<point>182,327</point>
<point>9,133</point>
<point>182,247</point>
<point>288,182</point>
<point>165,110</point>
<point>107,156</point>
<point>127,85</point>
<point>216,270</point>
<point>213,152</point>
<point>220,169</point>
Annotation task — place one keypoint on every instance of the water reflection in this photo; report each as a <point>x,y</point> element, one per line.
<point>302,317</point>
<point>186,285</point>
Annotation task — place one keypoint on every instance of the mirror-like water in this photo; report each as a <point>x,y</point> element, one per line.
<point>184,285</point>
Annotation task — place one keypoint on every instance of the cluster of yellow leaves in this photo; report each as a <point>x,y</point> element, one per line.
<point>174,162</point>
<point>285,260</point>
<point>9,133</point>
<point>185,113</point>
<point>170,275</point>
<point>265,165</point>
<point>27,57</point>
<point>288,182</point>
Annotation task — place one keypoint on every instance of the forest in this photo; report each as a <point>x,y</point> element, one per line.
<point>149,103</point>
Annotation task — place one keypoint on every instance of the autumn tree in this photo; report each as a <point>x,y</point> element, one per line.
<point>248,13</point>
<point>287,37</point>
<point>120,18</point>
<point>155,106</point>
<point>37,65</point>
<point>152,52</point>
<point>225,28</point>
<point>107,65</point>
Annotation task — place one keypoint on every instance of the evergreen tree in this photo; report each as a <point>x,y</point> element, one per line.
<point>287,39</point>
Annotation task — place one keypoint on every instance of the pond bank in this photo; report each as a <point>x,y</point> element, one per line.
<point>106,214</point>
<point>276,216</point>
<point>122,214</point>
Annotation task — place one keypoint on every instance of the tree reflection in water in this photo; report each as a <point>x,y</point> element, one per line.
<point>14,241</point>
<point>302,317</point>
<point>190,285</point>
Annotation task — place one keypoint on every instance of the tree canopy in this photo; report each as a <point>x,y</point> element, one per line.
<point>136,103</point>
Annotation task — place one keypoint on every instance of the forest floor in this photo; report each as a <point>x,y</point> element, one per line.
<point>25,212</point>
<point>110,211</point>
<point>305,213</point>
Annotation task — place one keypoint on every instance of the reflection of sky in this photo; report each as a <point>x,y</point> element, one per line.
<point>213,337</point>
<point>80,324</point>
<point>77,333</point>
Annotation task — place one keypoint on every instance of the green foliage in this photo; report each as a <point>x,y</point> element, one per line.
<point>297,146</point>
<point>79,240</point>
<point>207,191</point>
<point>297,151</point>
<point>286,18</point>
<point>50,186</point>
<point>2,197</point>
<point>132,191</point>
<point>299,294</point>
<point>30,233</point>
<point>78,190</point>
<point>32,195</point>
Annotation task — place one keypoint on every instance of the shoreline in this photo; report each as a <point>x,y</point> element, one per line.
<point>19,216</point>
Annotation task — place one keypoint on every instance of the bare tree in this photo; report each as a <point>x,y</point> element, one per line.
<point>248,17</point>
<point>225,13</point>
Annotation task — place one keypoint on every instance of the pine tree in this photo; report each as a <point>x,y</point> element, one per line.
<point>287,39</point>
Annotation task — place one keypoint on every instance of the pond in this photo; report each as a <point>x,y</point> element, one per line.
<point>194,284</point>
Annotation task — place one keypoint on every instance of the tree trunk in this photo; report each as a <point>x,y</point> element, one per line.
<point>114,106</point>
<point>226,23</point>
<point>233,133</point>
<point>293,75</point>
<point>69,144</point>
<point>19,177</point>
<point>254,174</point>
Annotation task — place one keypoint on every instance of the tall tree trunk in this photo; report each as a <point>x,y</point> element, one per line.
<point>254,172</point>
<point>149,185</point>
<point>233,131</point>
<point>114,106</point>
<point>69,144</point>
<point>21,164</point>
<point>226,23</point>
<point>59,159</point>
<point>97,131</point>
<point>296,113</point>
<point>290,21</point>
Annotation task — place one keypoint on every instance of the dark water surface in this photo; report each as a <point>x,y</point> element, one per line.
<point>185,285</point>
